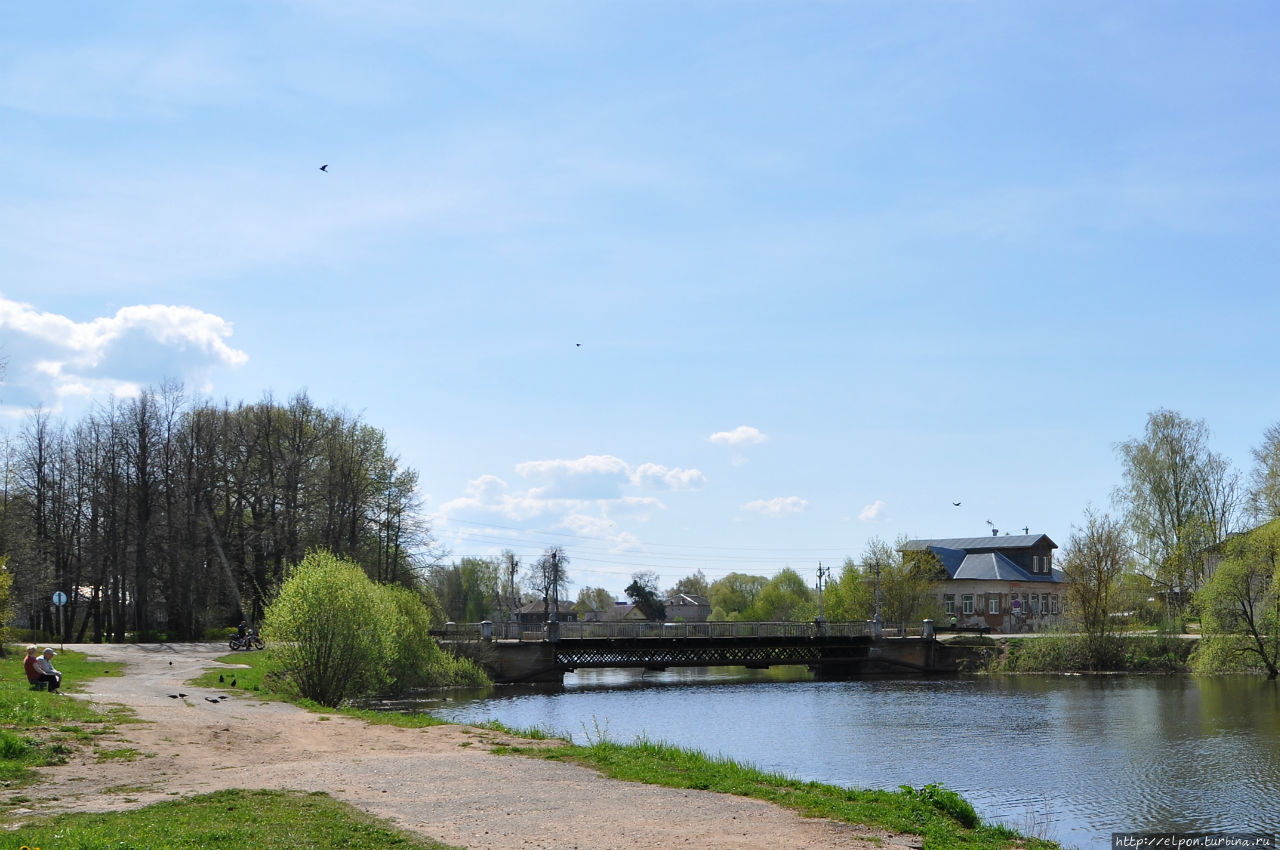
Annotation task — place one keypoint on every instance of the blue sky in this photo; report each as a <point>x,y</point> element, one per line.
<point>718,285</point>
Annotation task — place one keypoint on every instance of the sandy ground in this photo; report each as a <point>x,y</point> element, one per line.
<point>442,782</point>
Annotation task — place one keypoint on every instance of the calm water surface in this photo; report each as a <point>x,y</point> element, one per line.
<point>1089,755</point>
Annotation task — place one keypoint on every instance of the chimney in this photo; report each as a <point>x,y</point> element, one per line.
<point>995,532</point>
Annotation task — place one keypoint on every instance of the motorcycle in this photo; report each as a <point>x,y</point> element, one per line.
<point>250,640</point>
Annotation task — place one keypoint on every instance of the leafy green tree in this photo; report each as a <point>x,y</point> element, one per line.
<point>1240,604</point>
<point>908,582</point>
<point>1094,563</point>
<point>1264,489</point>
<point>733,594</point>
<point>784,598</point>
<point>594,599</point>
<point>331,633</point>
<point>643,592</point>
<point>691,585</point>
<point>1179,499</point>
<point>339,635</point>
<point>850,596</point>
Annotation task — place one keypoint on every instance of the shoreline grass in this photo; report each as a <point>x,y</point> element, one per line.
<point>223,820</point>
<point>941,817</point>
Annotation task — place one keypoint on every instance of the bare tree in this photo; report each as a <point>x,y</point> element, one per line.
<point>1179,498</point>
<point>1094,560</point>
<point>1264,489</point>
<point>547,576</point>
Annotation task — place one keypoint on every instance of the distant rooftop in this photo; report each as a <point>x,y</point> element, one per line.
<point>1008,541</point>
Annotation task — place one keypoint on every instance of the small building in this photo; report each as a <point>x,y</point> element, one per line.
<point>688,608</point>
<point>1007,584</point>
<point>535,613</point>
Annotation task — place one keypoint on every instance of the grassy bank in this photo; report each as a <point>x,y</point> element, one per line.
<point>225,820</point>
<point>1153,653</point>
<point>943,818</point>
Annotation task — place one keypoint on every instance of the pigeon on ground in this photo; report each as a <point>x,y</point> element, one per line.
<point>181,694</point>
<point>211,699</point>
<point>220,679</point>
<point>233,683</point>
<point>174,696</point>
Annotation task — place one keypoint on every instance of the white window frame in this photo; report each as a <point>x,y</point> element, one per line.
<point>993,603</point>
<point>966,603</point>
<point>949,603</point>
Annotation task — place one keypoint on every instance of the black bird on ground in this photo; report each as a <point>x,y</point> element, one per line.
<point>233,683</point>
<point>220,679</point>
<point>211,699</point>
<point>181,694</point>
<point>174,696</point>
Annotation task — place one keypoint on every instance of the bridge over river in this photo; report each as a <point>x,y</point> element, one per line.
<point>514,652</point>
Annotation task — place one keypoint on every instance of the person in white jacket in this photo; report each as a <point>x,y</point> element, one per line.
<point>45,665</point>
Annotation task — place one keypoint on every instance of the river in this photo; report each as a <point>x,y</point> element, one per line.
<point>1073,758</point>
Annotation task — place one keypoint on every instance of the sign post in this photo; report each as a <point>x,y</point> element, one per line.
<point>59,599</point>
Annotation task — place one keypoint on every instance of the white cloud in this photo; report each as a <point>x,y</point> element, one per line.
<point>657,475</point>
<point>53,357</point>
<point>743,435</point>
<point>872,512</point>
<point>781,506</point>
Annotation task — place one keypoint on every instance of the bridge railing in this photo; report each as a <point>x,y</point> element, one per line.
<point>585,630</point>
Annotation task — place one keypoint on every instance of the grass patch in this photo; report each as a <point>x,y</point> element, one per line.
<point>122,754</point>
<point>39,729</point>
<point>226,820</point>
<point>944,819</point>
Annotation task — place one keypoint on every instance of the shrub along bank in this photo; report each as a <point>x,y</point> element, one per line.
<point>1070,653</point>
<point>339,636</point>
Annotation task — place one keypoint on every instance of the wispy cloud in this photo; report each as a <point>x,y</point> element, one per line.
<point>872,512</point>
<point>53,357</point>
<point>781,506</point>
<point>743,435</point>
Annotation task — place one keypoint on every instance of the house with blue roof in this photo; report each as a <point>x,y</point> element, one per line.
<point>1007,584</point>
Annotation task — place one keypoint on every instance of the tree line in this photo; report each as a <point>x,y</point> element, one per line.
<point>169,515</point>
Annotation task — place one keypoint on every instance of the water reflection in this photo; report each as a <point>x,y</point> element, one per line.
<point>1088,756</point>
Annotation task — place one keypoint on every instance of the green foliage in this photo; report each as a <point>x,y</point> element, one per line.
<point>224,820</point>
<point>734,593</point>
<point>643,592</point>
<point>851,596</point>
<point>1073,653</point>
<point>908,582</point>
<point>784,598</point>
<point>338,635</point>
<point>1240,605</point>
<point>946,801</point>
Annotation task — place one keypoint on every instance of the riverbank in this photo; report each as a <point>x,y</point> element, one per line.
<point>1070,653</point>
<point>446,782</point>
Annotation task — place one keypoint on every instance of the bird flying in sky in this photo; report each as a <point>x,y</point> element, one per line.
<point>325,168</point>
<point>957,504</point>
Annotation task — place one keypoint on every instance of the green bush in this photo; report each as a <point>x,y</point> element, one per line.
<point>340,636</point>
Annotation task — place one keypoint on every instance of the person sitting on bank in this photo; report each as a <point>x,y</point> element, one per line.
<point>33,665</point>
<point>49,673</point>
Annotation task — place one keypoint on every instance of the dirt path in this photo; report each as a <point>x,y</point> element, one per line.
<point>442,781</point>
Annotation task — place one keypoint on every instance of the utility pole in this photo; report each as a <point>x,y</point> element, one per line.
<point>822,572</point>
